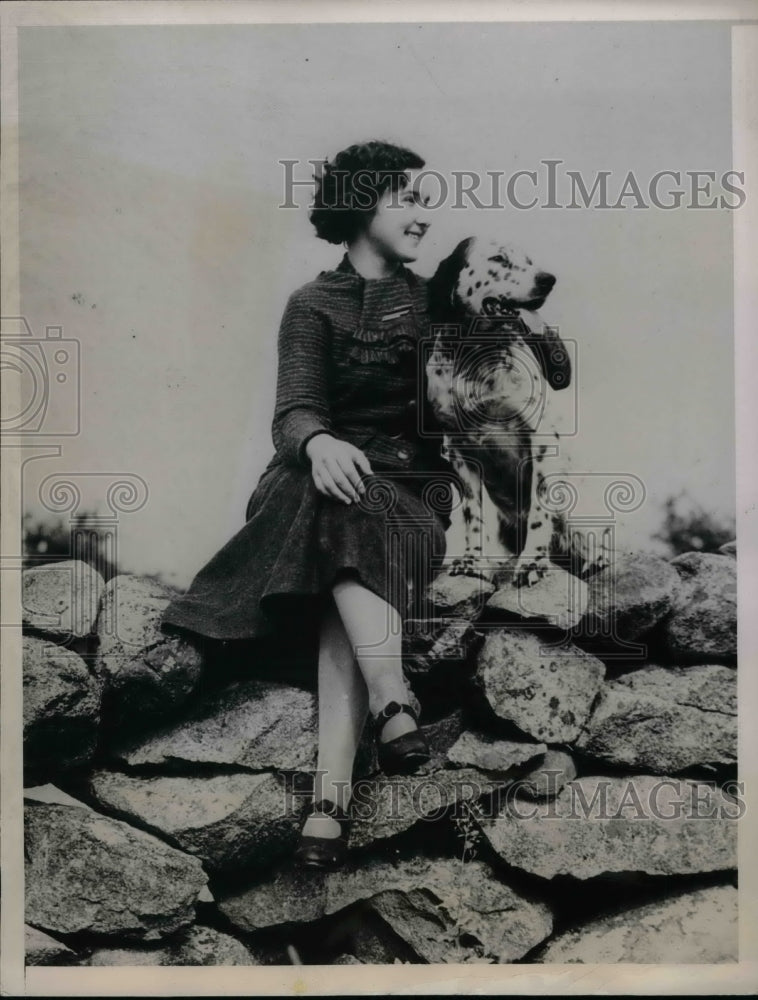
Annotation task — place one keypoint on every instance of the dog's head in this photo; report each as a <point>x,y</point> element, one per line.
<point>487,278</point>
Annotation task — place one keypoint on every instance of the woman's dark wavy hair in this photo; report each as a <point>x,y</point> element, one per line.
<point>349,187</point>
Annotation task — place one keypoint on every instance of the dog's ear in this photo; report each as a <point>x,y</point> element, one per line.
<point>552,356</point>
<point>442,284</point>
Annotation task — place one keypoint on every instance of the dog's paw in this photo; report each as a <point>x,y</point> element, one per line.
<point>528,572</point>
<point>467,565</point>
<point>602,558</point>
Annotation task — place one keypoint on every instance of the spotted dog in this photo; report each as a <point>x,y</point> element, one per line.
<point>489,377</point>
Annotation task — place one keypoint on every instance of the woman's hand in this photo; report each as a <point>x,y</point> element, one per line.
<point>337,466</point>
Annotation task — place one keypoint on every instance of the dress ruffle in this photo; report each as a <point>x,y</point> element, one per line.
<point>377,347</point>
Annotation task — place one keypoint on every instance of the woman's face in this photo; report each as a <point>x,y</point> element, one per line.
<point>400,221</point>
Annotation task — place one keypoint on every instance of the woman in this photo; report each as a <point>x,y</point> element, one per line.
<point>345,521</point>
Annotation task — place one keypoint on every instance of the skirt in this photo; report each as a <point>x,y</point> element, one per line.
<point>272,578</point>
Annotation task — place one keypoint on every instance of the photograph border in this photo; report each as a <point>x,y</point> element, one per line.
<point>741,977</point>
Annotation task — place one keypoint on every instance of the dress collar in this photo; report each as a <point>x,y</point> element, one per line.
<point>345,267</point>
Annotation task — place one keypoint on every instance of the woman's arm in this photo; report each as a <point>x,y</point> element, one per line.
<point>302,404</point>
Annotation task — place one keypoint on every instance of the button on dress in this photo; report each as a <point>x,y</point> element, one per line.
<point>350,364</point>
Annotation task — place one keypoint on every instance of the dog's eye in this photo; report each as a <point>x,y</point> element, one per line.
<point>501,258</point>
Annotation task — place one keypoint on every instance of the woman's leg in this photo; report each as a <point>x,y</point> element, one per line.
<point>342,711</point>
<point>374,630</point>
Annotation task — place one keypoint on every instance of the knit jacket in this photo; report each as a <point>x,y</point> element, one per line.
<point>350,365</point>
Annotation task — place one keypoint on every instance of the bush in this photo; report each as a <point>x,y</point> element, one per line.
<point>688,527</point>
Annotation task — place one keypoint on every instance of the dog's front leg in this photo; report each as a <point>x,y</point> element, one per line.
<point>470,562</point>
<point>534,560</point>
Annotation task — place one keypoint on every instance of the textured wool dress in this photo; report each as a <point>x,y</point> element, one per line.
<point>350,364</point>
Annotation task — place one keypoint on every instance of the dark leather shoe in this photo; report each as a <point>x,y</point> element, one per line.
<point>406,753</point>
<point>326,853</point>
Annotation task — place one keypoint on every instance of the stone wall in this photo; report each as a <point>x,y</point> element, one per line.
<point>580,805</point>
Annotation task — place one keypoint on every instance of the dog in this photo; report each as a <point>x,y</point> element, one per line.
<point>489,374</point>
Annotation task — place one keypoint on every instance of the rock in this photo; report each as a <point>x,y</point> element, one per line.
<point>599,825</point>
<point>628,598</point>
<point>557,598</point>
<point>50,793</point>
<point>385,806</point>
<point>487,753</point>
<point>255,725</point>
<point>438,910</point>
<point>41,949</point>
<point>60,599</point>
<point>546,691</point>
<point>462,597</point>
<point>545,780</point>
<point>703,623</point>
<point>693,928</point>
<point>375,943</point>
<point>347,960</point>
<point>665,720</point>
<point>729,548</point>
<point>197,946</point>
<point>148,673</point>
<point>435,644</point>
<point>229,821</point>
<point>86,872</point>
<point>445,911</point>
<point>61,709</point>
<point>288,896</point>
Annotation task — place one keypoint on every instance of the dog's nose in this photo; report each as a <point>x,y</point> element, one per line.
<point>543,282</point>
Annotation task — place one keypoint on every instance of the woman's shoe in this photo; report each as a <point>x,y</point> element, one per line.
<point>405,753</point>
<point>327,853</point>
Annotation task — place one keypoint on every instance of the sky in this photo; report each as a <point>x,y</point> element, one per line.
<point>151,235</point>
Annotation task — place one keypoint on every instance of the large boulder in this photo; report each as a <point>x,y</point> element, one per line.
<point>61,599</point>
<point>41,949</point>
<point>148,672</point>
<point>627,599</point>
<point>229,821</point>
<point>61,709</point>
<point>443,910</point>
<point>196,946</point>
<point>703,623</point>
<point>458,596</point>
<point>437,645</point>
<point>692,928</point>
<point>383,806</point>
<point>546,691</point>
<point>86,872</point>
<point>599,825</point>
<point>254,725</point>
<point>665,720</point>
<point>557,598</point>
<point>488,753</point>
<point>545,780</point>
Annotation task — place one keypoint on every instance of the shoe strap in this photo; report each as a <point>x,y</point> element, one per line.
<point>393,708</point>
<point>329,808</point>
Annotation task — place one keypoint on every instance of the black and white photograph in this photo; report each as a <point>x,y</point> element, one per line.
<point>376,474</point>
